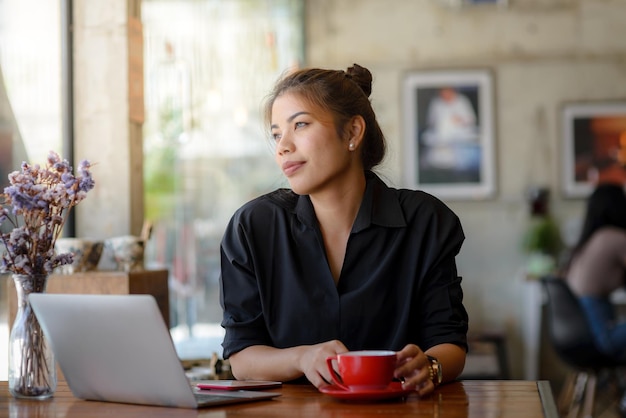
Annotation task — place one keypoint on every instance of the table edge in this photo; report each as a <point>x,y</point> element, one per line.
<point>547,399</point>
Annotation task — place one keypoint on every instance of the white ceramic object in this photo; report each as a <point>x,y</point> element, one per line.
<point>87,253</point>
<point>127,252</point>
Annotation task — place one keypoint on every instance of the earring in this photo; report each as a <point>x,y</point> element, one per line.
<point>351,146</point>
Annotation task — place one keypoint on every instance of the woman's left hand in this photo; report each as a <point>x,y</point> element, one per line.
<point>413,369</point>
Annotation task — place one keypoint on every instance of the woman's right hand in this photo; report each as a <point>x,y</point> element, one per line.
<point>312,361</point>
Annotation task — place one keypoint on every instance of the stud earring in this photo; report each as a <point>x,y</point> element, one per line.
<point>351,146</point>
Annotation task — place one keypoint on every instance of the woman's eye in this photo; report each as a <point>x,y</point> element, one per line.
<point>301,124</point>
<point>276,136</point>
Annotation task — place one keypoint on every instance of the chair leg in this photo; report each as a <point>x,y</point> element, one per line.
<point>590,392</point>
<point>579,391</point>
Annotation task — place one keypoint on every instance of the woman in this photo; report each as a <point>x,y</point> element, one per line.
<point>598,265</point>
<point>340,262</point>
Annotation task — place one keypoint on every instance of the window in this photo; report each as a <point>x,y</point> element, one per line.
<point>208,66</point>
<point>30,98</point>
<point>30,94</point>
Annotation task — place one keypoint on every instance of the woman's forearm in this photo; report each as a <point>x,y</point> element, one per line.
<point>266,363</point>
<point>452,359</point>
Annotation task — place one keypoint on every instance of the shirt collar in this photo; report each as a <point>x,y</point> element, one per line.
<point>380,206</point>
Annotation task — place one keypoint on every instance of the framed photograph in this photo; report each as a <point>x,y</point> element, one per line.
<point>449,133</point>
<point>594,145</point>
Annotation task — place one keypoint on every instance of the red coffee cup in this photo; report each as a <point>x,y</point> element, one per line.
<point>363,370</point>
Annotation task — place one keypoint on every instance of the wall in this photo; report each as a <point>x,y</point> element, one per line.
<point>105,132</point>
<point>542,53</point>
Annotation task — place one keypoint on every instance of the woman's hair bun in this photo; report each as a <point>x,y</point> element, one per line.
<point>362,77</point>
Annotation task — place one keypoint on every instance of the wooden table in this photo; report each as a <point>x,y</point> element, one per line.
<point>471,398</point>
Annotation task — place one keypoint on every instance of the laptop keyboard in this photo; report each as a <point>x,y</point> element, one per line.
<point>207,397</point>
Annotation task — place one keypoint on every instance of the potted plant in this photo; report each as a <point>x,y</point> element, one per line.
<point>542,240</point>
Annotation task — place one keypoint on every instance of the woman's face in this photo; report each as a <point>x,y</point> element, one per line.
<point>308,149</point>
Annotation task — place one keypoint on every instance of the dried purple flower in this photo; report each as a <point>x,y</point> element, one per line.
<point>41,199</point>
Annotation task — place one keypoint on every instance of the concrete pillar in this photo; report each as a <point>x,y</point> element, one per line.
<point>108,114</point>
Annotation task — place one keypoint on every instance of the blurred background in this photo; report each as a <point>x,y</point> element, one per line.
<point>177,133</point>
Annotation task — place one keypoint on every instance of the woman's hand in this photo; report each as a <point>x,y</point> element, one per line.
<point>413,369</point>
<point>312,361</point>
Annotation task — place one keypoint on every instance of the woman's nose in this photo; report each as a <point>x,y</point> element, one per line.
<point>284,145</point>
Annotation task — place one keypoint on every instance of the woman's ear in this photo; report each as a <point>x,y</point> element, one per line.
<point>356,131</point>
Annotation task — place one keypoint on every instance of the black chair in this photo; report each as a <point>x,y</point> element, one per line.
<point>571,338</point>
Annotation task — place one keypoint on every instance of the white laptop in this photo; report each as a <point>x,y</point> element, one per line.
<point>117,348</point>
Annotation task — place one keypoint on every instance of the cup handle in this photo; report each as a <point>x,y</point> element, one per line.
<point>333,374</point>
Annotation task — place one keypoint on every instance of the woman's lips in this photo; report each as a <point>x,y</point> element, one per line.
<point>290,167</point>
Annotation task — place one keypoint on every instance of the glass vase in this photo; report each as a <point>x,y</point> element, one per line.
<point>32,369</point>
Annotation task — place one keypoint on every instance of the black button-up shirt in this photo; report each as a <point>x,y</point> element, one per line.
<point>398,284</point>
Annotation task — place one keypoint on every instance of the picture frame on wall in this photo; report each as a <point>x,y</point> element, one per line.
<point>594,145</point>
<point>449,133</point>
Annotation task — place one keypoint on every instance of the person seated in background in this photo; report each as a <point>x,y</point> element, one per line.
<point>597,266</point>
<point>340,261</point>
